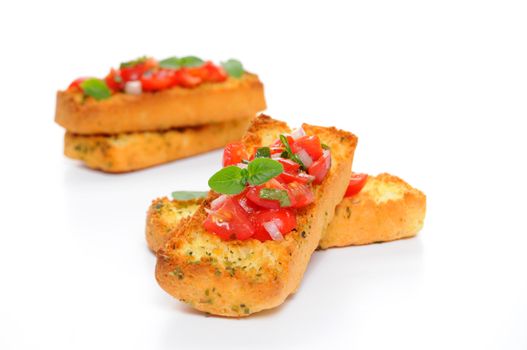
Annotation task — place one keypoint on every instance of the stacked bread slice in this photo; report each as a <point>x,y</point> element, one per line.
<point>129,132</point>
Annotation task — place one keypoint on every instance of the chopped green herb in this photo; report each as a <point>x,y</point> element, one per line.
<point>177,273</point>
<point>263,152</point>
<point>185,195</point>
<point>324,146</point>
<point>178,62</point>
<point>170,63</point>
<point>95,88</point>
<point>233,67</point>
<point>276,194</point>
<point>288,153</point>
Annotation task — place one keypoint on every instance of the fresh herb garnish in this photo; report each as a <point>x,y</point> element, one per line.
<point>263,152</point>
<point>186,195</point>
<point>233,67</point>
<point>133,63</point>
<point>324,146</point>
<point>95,88</point>
<point>232,179</point>
<point>261,170</point>
<point>178,62</point>
<point>288,153</point>
<point>276,194</point>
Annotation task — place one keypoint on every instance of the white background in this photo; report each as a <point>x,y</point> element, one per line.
<point>436,92</point>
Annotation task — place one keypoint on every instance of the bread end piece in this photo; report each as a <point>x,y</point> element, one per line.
<point>386,209</point>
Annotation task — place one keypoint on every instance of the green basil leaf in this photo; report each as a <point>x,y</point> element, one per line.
<point>263,152</point>
<point>95,88</point>
<point>229,180</point>
<point>262,170</point>
<point>133,63</point>
<point>276,194</point>
<point>186,195</point>
<point>233,67</point>
<point>289,153</point>
<point>170,63</point>
<point>324,146</point>
<point>190,61</point>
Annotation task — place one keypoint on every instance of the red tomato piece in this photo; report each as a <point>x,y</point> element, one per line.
<point>285,219</point>
<point>311,144</point>
<point>357,182</point>
<point>135,72</point>
<point>300,194</point>
<point>229,221</point>
<point>76,84</point>
<point>289,165</point>
<point>233,154</point>
<point>320,167</point>
<point>157,80</point>
<point>114,80</point>
<point>185,79</point>
<point>254,194</point>
<point>278,143</point>
<point>209,72</point>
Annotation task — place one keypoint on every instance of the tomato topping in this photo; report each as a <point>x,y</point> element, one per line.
<point>254,194</point>
<point>229,221</point>
<point>289,165</point>
<point>158,80</point>
<point>208,72</point>
<point>357,182</point>
<point>278,143</point>
<point>114,80</point>
<point>135,72</point>
<point>300,194</point>
<point>311,144</point>
<point>285,219</point>
<point>76,84</point>
<point>320,167</point>
<point>185,79</point>
<point>233,154</point>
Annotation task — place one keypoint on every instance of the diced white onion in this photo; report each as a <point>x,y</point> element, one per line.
<point>305,158</point>
<point>242,165</point>
<point>272,228</point>
<point>309,178</point>
<point>133,87</point>
<point>327,154</point>
<point>276,155</point>
<point>215,204</point>
<point>298,133</point>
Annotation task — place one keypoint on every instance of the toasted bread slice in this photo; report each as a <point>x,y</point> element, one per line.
<point>386,209</point>
<point>132,151</point>
<point>237,278</point>
<point>167,109</point>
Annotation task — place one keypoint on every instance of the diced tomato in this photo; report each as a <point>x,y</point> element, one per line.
<point>158,80</point>
<point>76,84</point>
<point>285,219</point>
<point>208,72</point>
<point>311,144</point>
<point>320,167</point>
<point>233,154</point>
<point>114,80</point>
<point>357,182</point>
<point>289,165</point>
<point>245,203</point>
<point>185,79</point>
<point>229,221</point>
<point>135,72</point>
<point>254,194</point>
<point>300,194</point>
<point>300,177</point>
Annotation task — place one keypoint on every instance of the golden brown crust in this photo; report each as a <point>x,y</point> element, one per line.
<point>386,209</point>
<point>127,152</point>
<point>363,219</point>
<point>238,278</point>
<point>176,107</point>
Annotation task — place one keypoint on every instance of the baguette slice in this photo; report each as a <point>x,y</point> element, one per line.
<point>238,278</point>
<point>386,209</point>
<point>172,108</point>
<point>133,151</point>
